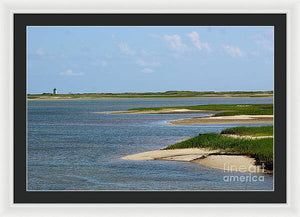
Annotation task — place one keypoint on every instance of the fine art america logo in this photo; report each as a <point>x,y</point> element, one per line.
<point>253,173</point>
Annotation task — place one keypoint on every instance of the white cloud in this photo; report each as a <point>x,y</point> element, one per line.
<point>234,51</point>
<point>141,62</point>
<point>194,37</point>
<point>174,41</point>
<point>69,72</point>
<point>147,70</point>
<point>40,52</point>
<point>265,40</point>
<point>148,53</point>
<point>126,49</point>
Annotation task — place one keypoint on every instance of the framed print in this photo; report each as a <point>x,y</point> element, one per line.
<point>234,152</point>
<point>150,108</point>
<point>101,104</point>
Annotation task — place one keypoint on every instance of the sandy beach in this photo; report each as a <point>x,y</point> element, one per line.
<point>237,119</point>
<point>204,157</point>
<point>247,137</point>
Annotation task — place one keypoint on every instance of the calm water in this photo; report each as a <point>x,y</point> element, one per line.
<point>72,148</point>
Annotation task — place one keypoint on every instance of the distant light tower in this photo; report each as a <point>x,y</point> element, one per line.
<point>54,91</point>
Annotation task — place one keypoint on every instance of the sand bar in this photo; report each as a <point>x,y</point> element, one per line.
<point>189,153</point>
<point>237,119</point>
<point>247,137</point>
<point>205,157</point>
<point>162,111</point>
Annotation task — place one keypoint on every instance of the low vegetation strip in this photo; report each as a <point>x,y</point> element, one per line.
<point>167,94</point>
<point>224,109</point>
<point>260,149</point>
<point>250,131</point>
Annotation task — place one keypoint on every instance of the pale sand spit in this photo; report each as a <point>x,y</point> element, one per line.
<point>247,137</point>
<point>205,157</point>
<point>241,119</point>
<point>162,111</point>
<point>159,154</point>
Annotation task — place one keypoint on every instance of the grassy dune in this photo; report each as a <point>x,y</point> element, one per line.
<point>250,131</point>
<point>260,149</point>
<point>225,109</point>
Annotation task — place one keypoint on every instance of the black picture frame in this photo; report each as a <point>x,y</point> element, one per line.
<point>21,21</point>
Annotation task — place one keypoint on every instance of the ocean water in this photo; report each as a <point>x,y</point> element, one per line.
<point>70,147</point>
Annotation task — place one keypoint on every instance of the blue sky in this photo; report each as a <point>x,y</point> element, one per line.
<point>144,59</point>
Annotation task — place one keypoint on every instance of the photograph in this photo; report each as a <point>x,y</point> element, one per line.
<point>150,108</point>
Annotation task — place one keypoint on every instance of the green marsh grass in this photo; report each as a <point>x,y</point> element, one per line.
<point>260,149</point>
<point>250,131</point>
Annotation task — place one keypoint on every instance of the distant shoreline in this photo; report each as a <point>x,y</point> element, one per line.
<point>154,95</point>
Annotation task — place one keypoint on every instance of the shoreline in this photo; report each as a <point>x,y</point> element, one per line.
<point>161,111</point>
<point>215,159</point>
<point>94,98</point>
<point>236,119</point>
